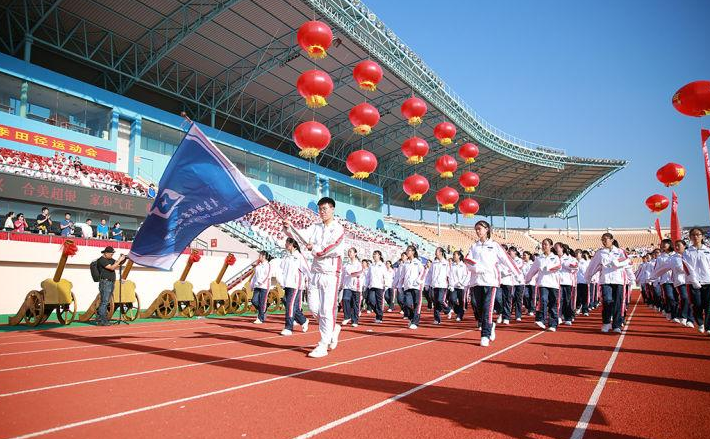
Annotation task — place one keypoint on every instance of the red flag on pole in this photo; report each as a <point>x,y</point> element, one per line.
<point>704,134</point>
<point>675,223</point>
<point>658,230</point>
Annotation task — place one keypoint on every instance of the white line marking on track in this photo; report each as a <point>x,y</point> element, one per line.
<point>230,389</point>
<point>387,401</point>
<point>583,423</point>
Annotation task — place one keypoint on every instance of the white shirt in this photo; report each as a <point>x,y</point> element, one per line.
<point>662,259</point>
<point>413,275</point>
<point>524,270</point>
<point>459,275</point>
<point>262,276</point>
<point>699,259</point>
<point>389,277</point>
<point>294,270</point>
<point>86,230</point>
<point>328,246</point>
<point>376,275</point>
<point>611,262</point>
<point>439,273</point>
<point>568,271</point>
<point>546,268</point>
<point>483,259</point>
<point>681,272</point>
<point>9,224</point>
<point>582,265</point>
<point>352,270</point>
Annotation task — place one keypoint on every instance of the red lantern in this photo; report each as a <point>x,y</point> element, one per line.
<point>315,37</point>
<point>415,149</point>
<point>315,86</point>
<point>413,109</point>
<point>657,203</point>
<point>670,174</point>
<point>447,197</point>
<point>468,152</point>
<point>469,181</point>
<point>693,99</point>
<point>311,137</point>
<point>363,117</point>
<point>446,166</point>
<point>445,132</point>
<point>415,186</point>
<point>361,163</point>
<point>469,207</point>
<point>367,74</point>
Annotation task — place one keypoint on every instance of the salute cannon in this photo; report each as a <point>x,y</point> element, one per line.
<point>55,294</point>
<point>180,298</point>
<point>216,299</point>
<point>124,298</point>
<point>239,299</point>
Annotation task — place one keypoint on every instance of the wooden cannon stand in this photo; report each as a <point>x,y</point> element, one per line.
<point>55,295</point>
<point>180,298</point>
<point>124,295</point>
<point>216,299</point>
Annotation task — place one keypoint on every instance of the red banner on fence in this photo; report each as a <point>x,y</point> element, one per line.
<point>43,141</point>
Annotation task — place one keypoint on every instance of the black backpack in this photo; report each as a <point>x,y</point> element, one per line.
<point>94,268</point>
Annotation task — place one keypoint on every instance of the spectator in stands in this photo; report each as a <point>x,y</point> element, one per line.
<point>67,225</point>
<point>117,232</point>
<point>20,223</point>
<point>9,222</point>
<point>86,230</point>
<point>102,230</point>
<point>84,179</point>
<point>44,222</point>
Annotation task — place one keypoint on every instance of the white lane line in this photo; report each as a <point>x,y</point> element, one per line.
<point>30,333</point>
<point>229,389</point>
<point>94,346</point>
<point>387,401</point>
<point>583,423</point>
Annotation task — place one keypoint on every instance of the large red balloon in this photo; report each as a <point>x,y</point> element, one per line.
<point>468,152</point>
<point>413,109</point>
<point>367,74</point>
<point>446,166</point>
<point>469,181</point>
<point>315,86</point>
<point>415,186</point>
<point>670,174</point>
<point>693,99</point>
<point>415,149</point>
<point>447,197</point>
<point>657,203</point>
<point>315,37</point>
<point>311,137</point>
<point>363,117</point>
<point>469,207</point>
<point>361,163</point>
<point>445,132</point>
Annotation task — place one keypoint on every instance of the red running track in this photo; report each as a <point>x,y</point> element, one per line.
<point>228,378</point>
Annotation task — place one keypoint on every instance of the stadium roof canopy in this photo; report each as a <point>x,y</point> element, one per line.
<point>234,64</point>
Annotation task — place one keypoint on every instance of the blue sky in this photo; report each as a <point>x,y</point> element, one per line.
<point>594,78</point>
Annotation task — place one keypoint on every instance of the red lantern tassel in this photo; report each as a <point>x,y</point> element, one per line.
<point>415,159</point>
<point>363,130</point>
<point>447,206</point>
<point>316,101</point>
<point>446,174</point>
<point>470,189</point>
<point>415,121</point>
<point>445,141</point>
<point>368,85</point>
<point>469,215</point>
<point>470,160</point>
<point>309,153</point>
<point>415,197</point>
<point>316,52</point>
<point>361,175</point>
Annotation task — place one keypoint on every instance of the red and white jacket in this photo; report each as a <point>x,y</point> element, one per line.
<point>611,262</point>
<point>568,272</point>
<point>413,275</point>
<point>439,273</point>
<point>328,246</point>
<point>294,271</point>
<point>352,274</point>
<point>262,276</point>
<point>483,259</point>
<point>376,275</point>
<point>546,268</point>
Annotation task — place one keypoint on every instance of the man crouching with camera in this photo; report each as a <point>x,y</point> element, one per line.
<point>107,278</point>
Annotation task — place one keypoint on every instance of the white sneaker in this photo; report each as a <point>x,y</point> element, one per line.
<point>506,322</point>
<point>552,329</point>
<point>701,329</point>
<point>493,332</point>
<point>676,320</point>
<point>437,323</point>
<point>286,332</point>
<point>519,319</point>
<point>368,311</point>
<point>559,320</point>
<point>499,319</point>
<point>389,310</point>
<point>540,324</point>
<point>413,326</point>
<point>378,321</point>
<point>451,313</point>
<point>458,319</point>
<point>690,325</point>
<point>334,340</point>
<point>304,326</point>
<point>354,325</point>
<point>257,322</point>
<point>478,328</point>
<point>485,342</point>
<point>568,323</point>
<point>401,312</point>
<point>606,327</point>
<point>318,352</point>
<point>683,322</point>
<point>586,314</point>
<point>345,322</point>
<point>531,313</point>
<point>617,330</point>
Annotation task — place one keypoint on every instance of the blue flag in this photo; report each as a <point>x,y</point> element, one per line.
<point>199,188</point>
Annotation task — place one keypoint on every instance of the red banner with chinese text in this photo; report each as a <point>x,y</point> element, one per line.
<point>40,140</point>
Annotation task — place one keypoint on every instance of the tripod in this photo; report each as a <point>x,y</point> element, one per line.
<point>120,298</point>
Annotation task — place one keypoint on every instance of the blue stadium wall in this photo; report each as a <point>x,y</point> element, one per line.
<point>136,112</point>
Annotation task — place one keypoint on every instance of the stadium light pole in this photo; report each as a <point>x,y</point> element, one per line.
<point>576,207</point>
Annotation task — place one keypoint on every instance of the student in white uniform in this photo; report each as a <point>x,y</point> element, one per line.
<point>412,284</point>
<point>397,285</point>
<point>530,292</point>
<point>697,255</point>
<point>546,267</point>
<point>682,274</point>
<point>438,275</point>
<point>389,282</point>
<point>582,285</point>
<point>260,286</point>
<point>352,274</point>
<point>294,270</point>
<point>325,241</point>
<point>670,301</point>
<point>459,278</point>
<point>376,277</point>
<point>566,276</point>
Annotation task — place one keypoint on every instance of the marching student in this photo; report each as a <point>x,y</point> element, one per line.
<point>325,241</point>
<point>656,282</point>
<point>438,274</point>
<point>682,274</point>
<point>412,284</point>
<point>260,286</point>
<point>294,270</point>
<point>427,290</point>
<point>530,291</point>
<point>641,277</point>
<point>472,297</point>
<point>483,258</point>
<point>519,288</point>
<point>389,282</point>
<point>582,286</point>
<point>397,284</point>
<point>566,276</point>
<point>365,297</point>
<point>670,301</point>
<point>376,278</point>
<point>546,267</point>
<point>594,288</point>
<point>352,273</point>
<point>459,278</point>
<point>611,262</point>
<point>507,287</point>
<point>697,255</point>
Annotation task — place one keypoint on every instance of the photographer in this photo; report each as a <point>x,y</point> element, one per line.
<point>107,274</point>
<point>44,222</point>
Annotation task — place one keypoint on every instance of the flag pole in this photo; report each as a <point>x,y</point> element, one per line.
<point>293,229</point>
